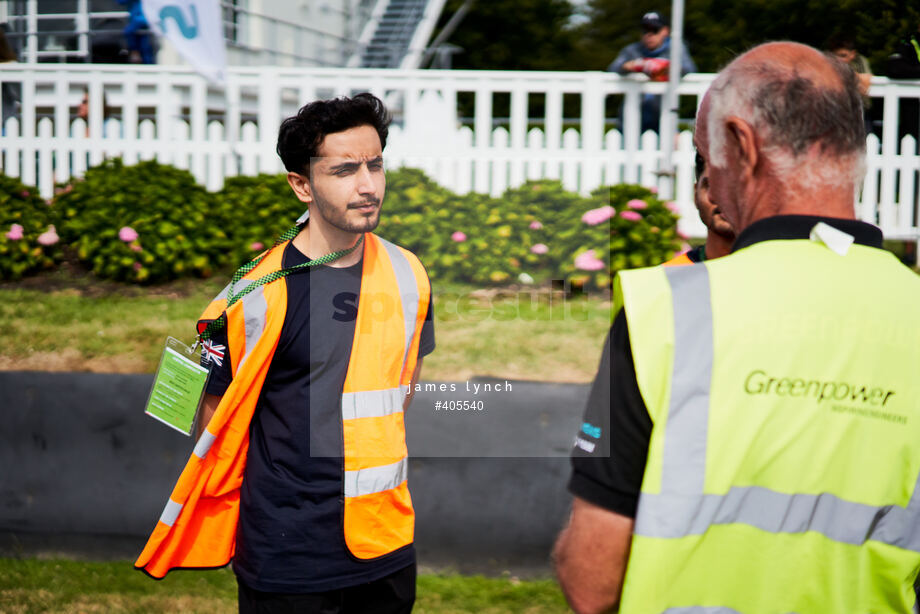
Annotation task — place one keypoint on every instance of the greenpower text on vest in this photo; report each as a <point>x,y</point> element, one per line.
<point>759,382</point>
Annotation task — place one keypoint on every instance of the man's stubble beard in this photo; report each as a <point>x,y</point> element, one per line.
<point>338,219</point>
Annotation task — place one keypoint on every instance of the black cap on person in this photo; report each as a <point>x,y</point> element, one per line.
<point>653,20</point>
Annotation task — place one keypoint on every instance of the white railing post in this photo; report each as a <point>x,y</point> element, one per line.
<point>886,213</point>
<point>632,119</point>
<point>166,110</point>
<point>592,133</point>
<point>269,120</point>
<point>62,168</point>
<point>129,119</point>
<point>27,130</point>
<point>482,133</point>
<point>232,128</point>
<point>553,131</point>
<point>518,134</point>
<point>198,123</point>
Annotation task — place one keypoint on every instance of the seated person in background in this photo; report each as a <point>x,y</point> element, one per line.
<point>650,55</point>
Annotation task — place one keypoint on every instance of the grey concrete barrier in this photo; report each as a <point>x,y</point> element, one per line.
<point>84,472</point>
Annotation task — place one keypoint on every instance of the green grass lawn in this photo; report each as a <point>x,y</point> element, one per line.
<point>56,323</point>
<point>30,586</point>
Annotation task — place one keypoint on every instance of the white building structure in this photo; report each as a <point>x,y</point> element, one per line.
<point>306,33</point>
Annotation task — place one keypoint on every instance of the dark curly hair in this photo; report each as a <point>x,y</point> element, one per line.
<point>300,136</point>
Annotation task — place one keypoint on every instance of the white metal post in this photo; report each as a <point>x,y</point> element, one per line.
<point>82,23</point>
<point>669,116</point>
<point>32,31</point>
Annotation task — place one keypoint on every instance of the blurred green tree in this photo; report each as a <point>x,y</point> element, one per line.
<point>718,30</point>
<point>513,35</point>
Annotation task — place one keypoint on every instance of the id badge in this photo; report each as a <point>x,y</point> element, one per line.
<point>178,387</point>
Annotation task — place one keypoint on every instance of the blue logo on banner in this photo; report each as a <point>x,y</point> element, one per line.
<point>591,430</point>
<point>175,13</point>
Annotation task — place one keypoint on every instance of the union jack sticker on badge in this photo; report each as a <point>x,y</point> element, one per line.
<point>212,352</point>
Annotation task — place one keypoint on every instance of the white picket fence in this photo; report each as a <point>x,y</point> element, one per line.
<point>171,114</point>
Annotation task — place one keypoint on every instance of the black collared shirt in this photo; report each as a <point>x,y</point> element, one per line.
<point>611,447</point>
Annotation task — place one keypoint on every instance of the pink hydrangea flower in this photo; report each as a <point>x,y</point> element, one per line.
<point>136,247</point>
<point>632,216</point>
<point>536,225</point>
<point>672,206</point>
<point>587,261</point>
<point>127,234</point>
<point>458,236</point>
<point>49,237</point>
<point>138,266</point>
<point>24,193</point>
<point>539,248</point>
<point>637,204</point>
<point>256,246</point>
<point>593,217</point>
<point>653,189</point>
<point>15,232</point>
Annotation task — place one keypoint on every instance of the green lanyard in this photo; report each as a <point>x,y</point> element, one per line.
<point>232,297</point>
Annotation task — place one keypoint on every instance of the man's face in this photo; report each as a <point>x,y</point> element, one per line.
<point>653,39</point>
<point>347,182</point>
<point>710,212</point>
<point>709,193</point>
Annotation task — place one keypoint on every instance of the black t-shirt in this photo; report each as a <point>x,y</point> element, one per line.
<point>290,535</point>
<point>611,448</point>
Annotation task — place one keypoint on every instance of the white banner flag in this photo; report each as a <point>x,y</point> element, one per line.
<point>196,30</point>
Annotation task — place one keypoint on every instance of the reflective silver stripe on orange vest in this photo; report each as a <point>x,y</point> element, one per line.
<point>170,513</point>
<point>224,294</point>
<point>682,508</point>
<point>408,290</point>
<point>373,403</point>
<point>241,285</point>
<point>204,443</point>
<point>375,479</point>
<point>254,311</point>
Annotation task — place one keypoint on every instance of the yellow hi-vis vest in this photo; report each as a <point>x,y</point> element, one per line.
<point>783,384</point>
<point>198,526</point>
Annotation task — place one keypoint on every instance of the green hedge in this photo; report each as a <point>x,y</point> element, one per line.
<point>144,223</point>
<point>151,223</point>
<point>29,241</point>
<point>532,233</point>
<point>260,208</point>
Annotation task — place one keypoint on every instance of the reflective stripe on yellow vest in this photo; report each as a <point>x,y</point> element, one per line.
<point>198,525</point>
<point>783,471</point>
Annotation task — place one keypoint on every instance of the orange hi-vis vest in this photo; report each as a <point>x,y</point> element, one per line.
<point>197,528</point>
<point>679,260</point>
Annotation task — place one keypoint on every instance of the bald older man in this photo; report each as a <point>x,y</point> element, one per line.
<point>758,449</point>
